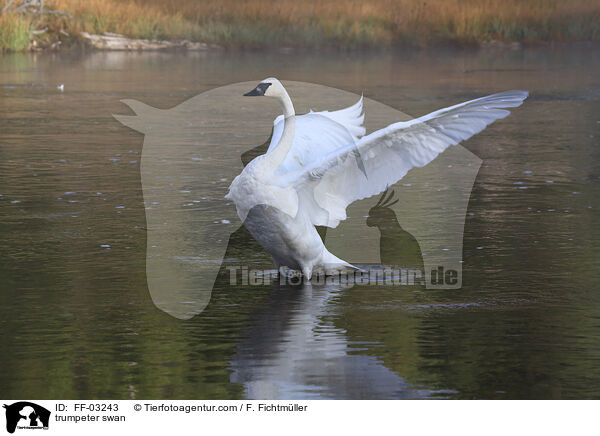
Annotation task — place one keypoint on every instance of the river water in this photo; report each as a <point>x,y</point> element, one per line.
<point>76,314</point>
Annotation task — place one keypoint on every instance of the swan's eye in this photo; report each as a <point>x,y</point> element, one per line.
<point>263,86</point>
<point>260,89</point>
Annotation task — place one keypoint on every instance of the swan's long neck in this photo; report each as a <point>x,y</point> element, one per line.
<point>279,153</point>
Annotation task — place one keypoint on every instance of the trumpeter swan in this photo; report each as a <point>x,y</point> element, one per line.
<point>319,163</point>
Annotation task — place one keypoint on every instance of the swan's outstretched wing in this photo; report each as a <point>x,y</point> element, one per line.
<point>317,134</point>
<point>335,180</point>
<point>350,118</point>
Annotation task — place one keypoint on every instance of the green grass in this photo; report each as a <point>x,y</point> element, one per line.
<point>15,32</point>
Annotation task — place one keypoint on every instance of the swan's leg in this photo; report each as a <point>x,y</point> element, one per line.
<point>307,272</point>
<point>278,266</point>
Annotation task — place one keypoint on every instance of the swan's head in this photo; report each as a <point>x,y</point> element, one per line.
<point>270,87</point>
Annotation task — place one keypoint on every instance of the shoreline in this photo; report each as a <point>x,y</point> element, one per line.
<point>115,42</point>
<point>225,24</point>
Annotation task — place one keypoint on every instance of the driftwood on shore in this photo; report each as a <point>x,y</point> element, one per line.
<point>114,41</point>
<point>31,6</point>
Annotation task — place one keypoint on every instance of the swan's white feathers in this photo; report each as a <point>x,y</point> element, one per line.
<point>316,135</point>
<point>251,187</point>
<point>334,180</point>
<point>351,118</point>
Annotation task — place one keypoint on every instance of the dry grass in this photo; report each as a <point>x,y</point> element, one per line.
<point>351,22</point>
<point>316,23</point>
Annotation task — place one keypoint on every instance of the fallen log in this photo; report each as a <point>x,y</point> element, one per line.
<point>114,41</point>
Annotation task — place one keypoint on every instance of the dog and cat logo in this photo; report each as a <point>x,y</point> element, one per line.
<point>26,415</point>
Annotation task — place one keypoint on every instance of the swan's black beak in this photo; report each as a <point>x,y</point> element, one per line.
<point>260,89</point>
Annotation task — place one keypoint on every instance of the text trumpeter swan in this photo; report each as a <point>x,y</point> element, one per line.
<point>319,163</point>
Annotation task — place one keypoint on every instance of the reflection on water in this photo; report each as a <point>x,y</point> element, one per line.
<point>76,315</point>
<point>292,349</point>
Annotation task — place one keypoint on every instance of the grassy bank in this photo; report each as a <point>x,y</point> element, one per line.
<point>15,32</point>
<point>312,23</point>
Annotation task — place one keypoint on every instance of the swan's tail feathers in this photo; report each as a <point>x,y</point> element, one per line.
<point>331,262</point>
